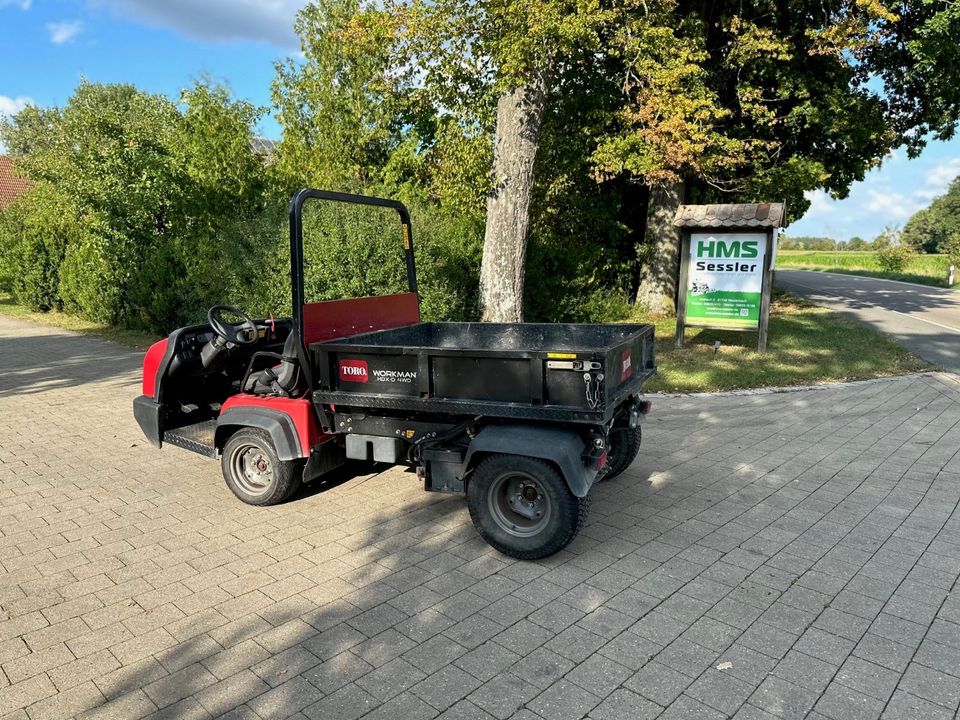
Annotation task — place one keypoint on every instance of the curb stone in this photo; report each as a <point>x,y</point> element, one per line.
<point>938,375</point>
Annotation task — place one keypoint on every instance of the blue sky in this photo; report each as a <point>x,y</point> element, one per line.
<point>158,45</point>
<point>162,45</point>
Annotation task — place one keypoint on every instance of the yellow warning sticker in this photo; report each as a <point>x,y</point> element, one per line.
<point>562,356</point>
<point>406,236</point>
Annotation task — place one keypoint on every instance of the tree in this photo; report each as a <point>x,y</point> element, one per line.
<point>890,237</point>
<point>346,108</point>
<point>930,230</point>
<point>133,193</point>
<point>512,53</point>
<point>717,101</point>
<point>893,258</point>
<point>952,249</point>
<point>784,98</point>
<point>857,243</point>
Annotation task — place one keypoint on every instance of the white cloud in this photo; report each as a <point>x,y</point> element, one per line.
<point>269,21</point>
<point>926,194</point>
<point>22,4</point>
<point>942,174</point>
<point>890,204</point>
<point>11,106</point>
<point>820,202</point>
<point>64,32</point>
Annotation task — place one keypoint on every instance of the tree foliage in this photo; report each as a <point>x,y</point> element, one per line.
<point>744,101</point>
<point>893,258</point>
<point>132,192</point>
<point>788,242</point>
<point>146,210</point>
<point>935,228</point>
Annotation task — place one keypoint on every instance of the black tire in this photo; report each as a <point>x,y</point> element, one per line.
<point>254,472</point>
<point>489,494</point>
<point>623,444</point>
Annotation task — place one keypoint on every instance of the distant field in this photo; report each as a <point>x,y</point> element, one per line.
<point>924,269</point>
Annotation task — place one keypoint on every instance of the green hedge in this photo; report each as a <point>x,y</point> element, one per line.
<point>54,260</point>
<point>145,212</point>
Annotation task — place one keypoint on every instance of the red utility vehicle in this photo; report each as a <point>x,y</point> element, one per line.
<point>522,418</point>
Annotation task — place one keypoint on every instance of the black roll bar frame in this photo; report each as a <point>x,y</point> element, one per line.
<point>296,241</point>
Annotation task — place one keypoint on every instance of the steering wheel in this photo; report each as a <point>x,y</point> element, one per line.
<point>245,333</point>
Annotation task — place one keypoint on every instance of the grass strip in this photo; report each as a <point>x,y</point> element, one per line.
<point>921,269</point>
<point>806,345</point>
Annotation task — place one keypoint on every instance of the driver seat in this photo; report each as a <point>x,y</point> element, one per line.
<point>280,380</point>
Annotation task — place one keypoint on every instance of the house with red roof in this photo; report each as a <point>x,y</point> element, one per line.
<point>12,185</point>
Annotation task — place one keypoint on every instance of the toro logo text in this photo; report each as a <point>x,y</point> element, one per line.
<point>626,366</point>
<point>354,371</point>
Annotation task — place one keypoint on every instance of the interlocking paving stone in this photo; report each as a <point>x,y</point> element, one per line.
<point>625,705</point>
<point>805,670</point>
<point>904,706</point>
<point>482,662</point>
<point>809,541</point>
<point>660,683</point>
<point>446,687</point>
<point>720,690</point>
<point>868,678</point>
<point>783,698</point>
<point>843,703</point>
<point>390,679</point>
<point>503,695</point>
<point>932,685</point>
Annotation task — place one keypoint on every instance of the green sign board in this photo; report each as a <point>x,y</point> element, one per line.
<point>725,279</point>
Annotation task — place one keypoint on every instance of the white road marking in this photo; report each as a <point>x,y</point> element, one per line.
<point>931,322</point>
<point>879,307</point>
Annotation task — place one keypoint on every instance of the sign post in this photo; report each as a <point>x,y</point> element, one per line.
<point>725,267</point>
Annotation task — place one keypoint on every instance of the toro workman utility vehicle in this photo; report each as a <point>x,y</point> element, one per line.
<point>522,418</point>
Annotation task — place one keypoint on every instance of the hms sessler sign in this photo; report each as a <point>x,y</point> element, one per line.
<point>725,281</point>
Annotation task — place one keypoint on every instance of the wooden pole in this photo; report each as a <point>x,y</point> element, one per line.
<point>682,289</point>
<point>765,290</point>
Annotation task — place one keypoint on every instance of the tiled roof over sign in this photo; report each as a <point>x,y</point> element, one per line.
<point>12,185</point>
<point>744,215</point>
<point>263,146</point>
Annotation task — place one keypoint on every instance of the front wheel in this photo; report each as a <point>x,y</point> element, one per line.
<point>522,507</point>
<point>254,472</point>
<point>623,444</point>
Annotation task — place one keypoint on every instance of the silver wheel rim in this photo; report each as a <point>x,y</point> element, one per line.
<point>252,469</point>
<point>518,504</point>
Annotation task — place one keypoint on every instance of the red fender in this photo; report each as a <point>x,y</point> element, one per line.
<point>300,411</point>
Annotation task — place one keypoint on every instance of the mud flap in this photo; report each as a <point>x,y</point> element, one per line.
<point>563,448</point>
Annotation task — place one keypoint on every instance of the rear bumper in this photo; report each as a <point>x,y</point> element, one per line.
<point>147,414</point>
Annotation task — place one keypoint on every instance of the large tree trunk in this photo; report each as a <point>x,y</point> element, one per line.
<point>519,116</point>
<point>660,255</point>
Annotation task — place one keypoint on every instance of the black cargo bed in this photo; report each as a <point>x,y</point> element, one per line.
<point>515,370</point>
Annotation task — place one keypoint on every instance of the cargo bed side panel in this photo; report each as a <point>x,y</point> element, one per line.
<point>469,378</point>
<point>472,369</point>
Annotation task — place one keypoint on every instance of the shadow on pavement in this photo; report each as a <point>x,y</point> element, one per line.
<point>37,363</point>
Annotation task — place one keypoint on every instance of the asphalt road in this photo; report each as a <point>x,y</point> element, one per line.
<point>926,319</point>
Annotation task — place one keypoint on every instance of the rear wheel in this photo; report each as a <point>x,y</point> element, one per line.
<point>254,472</point>
<point>522,507</point>
<point>623,444</point>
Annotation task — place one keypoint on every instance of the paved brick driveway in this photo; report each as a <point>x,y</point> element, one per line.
<point>807,543</point>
